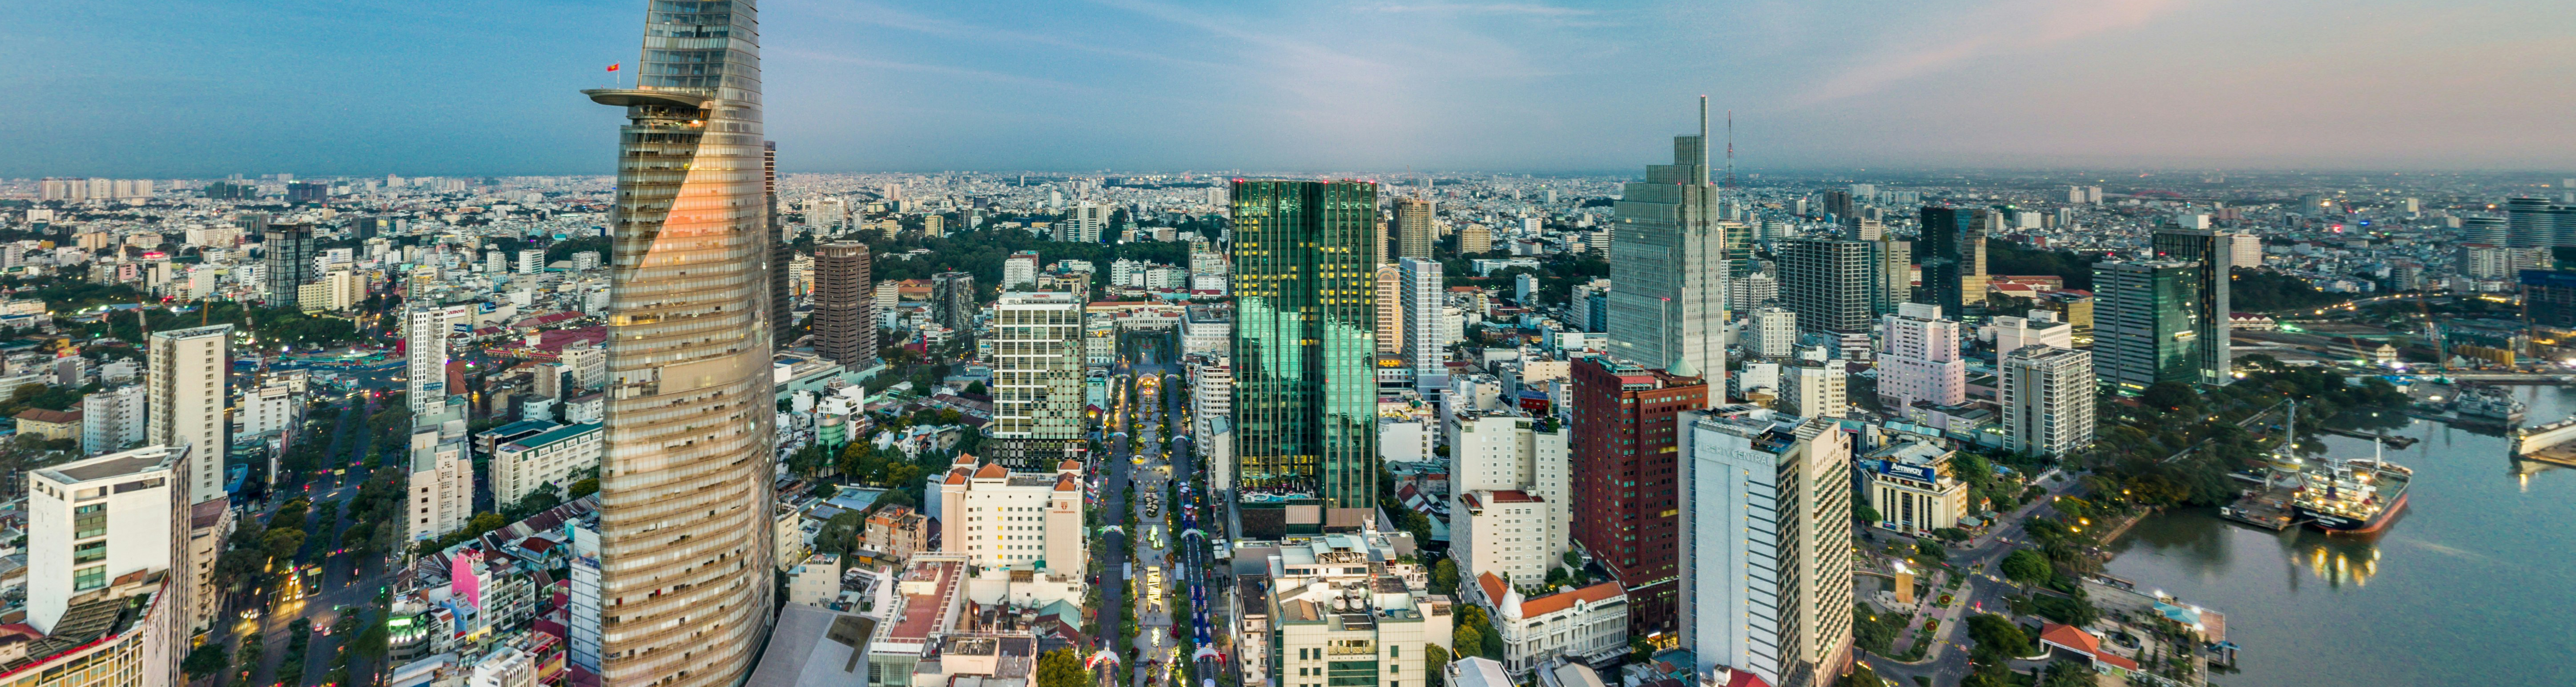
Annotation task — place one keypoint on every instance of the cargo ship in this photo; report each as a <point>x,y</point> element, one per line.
<point>2351,496</point>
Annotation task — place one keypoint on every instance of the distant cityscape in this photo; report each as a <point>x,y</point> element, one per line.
<point>699,422</point>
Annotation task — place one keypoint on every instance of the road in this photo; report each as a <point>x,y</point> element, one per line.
<point>346,580</point>
<point>1946,663</point>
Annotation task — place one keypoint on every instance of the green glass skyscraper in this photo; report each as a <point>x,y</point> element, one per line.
<point>1305,393</point>
<point>2148,327</point>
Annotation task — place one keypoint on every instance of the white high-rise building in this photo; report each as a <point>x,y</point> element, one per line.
<point>442,474</point>
<point>112,419</point>
<point>1775,332</point>
<point>426,329</point>
<point>2244,250</point>
<point>1815,389</point>
<point>1014,520</point>
<point>185,402</point>
<point>1020,270</point>
<point>532,261</point>
<point>1766,546</point>
<point>1037,370</point>
<point>1919,359</point>
<point>1426,338</point>
<point>1083,222</point>
<point>2041,328</point>
<point>2047,398</point>
<point>1390,309</point>
<point>90,522</point>
<point>1511,513</point>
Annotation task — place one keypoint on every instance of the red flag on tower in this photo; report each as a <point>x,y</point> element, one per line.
<point>614,67</point>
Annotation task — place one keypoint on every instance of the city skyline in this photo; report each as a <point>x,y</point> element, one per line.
<point>1140,85</point>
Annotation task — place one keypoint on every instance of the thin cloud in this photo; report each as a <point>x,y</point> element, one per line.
<point>1498,8</point>
<point>2005,27</point>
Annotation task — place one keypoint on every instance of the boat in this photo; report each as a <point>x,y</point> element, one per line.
<point>2488,403</point>
<point>2351,496</point>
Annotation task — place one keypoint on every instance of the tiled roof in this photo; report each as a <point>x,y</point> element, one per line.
<point>1563,600</point>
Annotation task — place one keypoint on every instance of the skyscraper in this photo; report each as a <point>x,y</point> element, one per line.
<point>2047,397</point>
<point>1305,395</point>
<point>2147,326</point>
<point>2215,252</point>
<point>845,326</point>
<point>684,553</point>
<point>1766,539</point>
<point>1919,359</point>
<point>1893,276</point>
<point>782,300</point>
<point>184,401</point>
<point>1390,309</point>
<point>1414,235</point>
<point>1037,380</point>
<point>1668,264</point>
<point>1626,497</point>
<point>288,262</point>
<point>2538,223</point>
<point>1828,282</point>
<point>1426,344</point>
<point>952,301</point>
<point>1953,251</point>
<point>2486,229</point>
<point>1084,222</point>
<point>426,328</point>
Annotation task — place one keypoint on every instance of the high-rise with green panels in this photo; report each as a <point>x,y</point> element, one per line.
<point>1305,393</point>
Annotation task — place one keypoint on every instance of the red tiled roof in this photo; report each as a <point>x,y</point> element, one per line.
<point>992,471</point>
<point>2070,637</point>
<point>59,417</point>
<point>1493,587</point>
<point>957,476</point>
<point>1515,496</point>
<point>1067,483</point>
<point>1563,600</point>
<point>1744,678</point>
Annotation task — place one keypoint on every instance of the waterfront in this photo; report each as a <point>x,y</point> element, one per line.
<point>2470,586</point>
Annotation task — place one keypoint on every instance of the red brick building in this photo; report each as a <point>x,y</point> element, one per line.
<point>1626,490</point>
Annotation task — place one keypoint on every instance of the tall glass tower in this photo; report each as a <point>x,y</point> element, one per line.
<point>684,506</point>
<point>1669,265</point>
<point>1305,393</point>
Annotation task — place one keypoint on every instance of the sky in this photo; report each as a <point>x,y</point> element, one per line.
<point>196,88</point>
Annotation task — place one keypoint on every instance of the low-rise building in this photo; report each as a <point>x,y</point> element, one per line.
<point>1911,487</point>
<point>50,424</point>
<point>546,460</point>
<point>1587,625</point>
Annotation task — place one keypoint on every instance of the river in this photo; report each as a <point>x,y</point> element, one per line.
<point>2474,585</point>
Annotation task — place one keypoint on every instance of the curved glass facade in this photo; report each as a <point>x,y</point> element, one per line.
<point>685,496</point>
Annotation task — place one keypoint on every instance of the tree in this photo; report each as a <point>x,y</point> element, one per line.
<point>1861,511</point>
<point>2170,396</point>
<point>1061,668</point>
<point>1998,637</point>
<point>1467,638</point>
<point>1444,577</point>
<point>281,543</point>
<point>1435,656</point>
<point>2028,568</point>
<point>1860,676</point>
<point>2068,674</point>
<point>207,659</point>
<point>1931,550</point>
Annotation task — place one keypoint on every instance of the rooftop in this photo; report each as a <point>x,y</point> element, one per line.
<point>115,465</point>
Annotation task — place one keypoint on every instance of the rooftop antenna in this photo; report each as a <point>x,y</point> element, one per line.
<point>1703,140</point>
<point>1730,150</point>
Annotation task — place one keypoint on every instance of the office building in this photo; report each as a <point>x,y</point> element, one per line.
<point>1815,389</point>
<point>1390,309</point>
<point>1626,499</point>
<point>1891,275</point>
<point>1511,510</point>
<point>844,315</point>
<point>1666,305</point>
<point>427,331</point>
<point>1084,222</point>
<point>1773,333</point>
<point>1918,359</point>
<point>1911,486</point>
<point>287,261</point>
<point>92,522</point>
<point>547,461</point>
<point>1305,395</point>
<point>2485,261</point>
<point>1414,232</point>
<point>1953,251</point>
<point>2485,229</point>
<point>1426,341</point>
<point>442,472</point>
<point>1827,282</point>
<point>112,419</point>
<point>2214,256</point>
<point>1000,518</point>
<point>782,294</point>
<point>2148,325</point>
<point>1037,381</point>
<point>684,552</point>
<point>952,301</point>
<point>1020,271</point>
<point>2041,328</point>
<point>1752,290</point>
<point>2047,397</point>
<point>2244,250</point>
<point>2538,223</point>
<point>186,400</point>
<point>1766,579</point>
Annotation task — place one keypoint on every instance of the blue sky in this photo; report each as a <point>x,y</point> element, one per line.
<point>325,87</point>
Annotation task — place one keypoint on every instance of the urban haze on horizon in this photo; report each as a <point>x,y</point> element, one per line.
<point>203,88</point>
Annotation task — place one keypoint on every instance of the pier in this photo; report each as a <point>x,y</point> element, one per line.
<point>2267,508</point>
<point>2395,442</point>
<point>2553,443</point>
